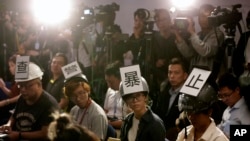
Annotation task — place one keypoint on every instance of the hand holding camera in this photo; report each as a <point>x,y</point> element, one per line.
<point>183,28</point>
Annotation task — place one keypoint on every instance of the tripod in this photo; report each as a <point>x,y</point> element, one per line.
<point>229,42</point>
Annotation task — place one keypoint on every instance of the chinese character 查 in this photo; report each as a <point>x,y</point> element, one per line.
<point>21,67</point>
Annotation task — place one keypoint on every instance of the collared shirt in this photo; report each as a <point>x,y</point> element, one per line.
<point>212,133</point>
<point>236,115</point>
<point>114,104</point>
<point>173,95</point>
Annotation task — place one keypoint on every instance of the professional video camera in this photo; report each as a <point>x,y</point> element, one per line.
<point>85,16</point>
<point>148,17</point>
<point>99,13</point>
<point>229,17</point>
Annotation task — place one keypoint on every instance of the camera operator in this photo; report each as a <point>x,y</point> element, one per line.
<point>241,56</point>
<point>139,46</point>
<point>164,46</point>
<point>203,47</point>
<point>106,19</point>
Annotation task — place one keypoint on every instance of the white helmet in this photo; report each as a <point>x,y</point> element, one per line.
<point>34,72</point>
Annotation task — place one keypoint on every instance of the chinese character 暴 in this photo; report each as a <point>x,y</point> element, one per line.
<point>131,79</point>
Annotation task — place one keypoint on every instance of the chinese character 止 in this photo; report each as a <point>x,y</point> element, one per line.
<point>192,83</point>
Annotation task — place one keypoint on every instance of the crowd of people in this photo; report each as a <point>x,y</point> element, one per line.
<point>94,106</point>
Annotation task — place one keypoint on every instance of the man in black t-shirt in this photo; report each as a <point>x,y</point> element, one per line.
<point>33,111</point>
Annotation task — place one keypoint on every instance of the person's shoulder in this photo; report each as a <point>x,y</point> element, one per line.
<point>129,116</point>
<point>96,108</point>
<point>49,98</point>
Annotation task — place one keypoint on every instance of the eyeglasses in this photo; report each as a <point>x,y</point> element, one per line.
<point>224,96</point>
<point>80,94</point>
<point>133,97</point>
<point>25,85</point>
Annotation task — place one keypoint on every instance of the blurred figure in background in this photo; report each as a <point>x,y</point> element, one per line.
<point>56,83</point>
<point>114,107</point>
<point>164,47</point>
<point>205,47</point>
<point>168,98</point>
<point>11,94</point>
<point>241,55</point>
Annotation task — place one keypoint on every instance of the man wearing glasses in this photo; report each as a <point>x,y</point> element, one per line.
<point>31,117</point>
<point>237,112</point>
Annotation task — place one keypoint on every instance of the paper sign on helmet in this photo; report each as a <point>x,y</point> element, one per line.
<point>131,79</point>
<point>22,67</point>
<point>195,81</point>
<point>71,70</point>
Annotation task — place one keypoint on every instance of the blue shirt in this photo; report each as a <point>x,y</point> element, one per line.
<point>239,114</point>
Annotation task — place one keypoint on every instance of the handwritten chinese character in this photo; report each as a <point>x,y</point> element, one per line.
<point>21,67</point>
<point>71,69</point>
<point>192,83</point>
<point>131,79</point>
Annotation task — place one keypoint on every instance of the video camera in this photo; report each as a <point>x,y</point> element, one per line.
<point>229,17</point>
<point>85,16</point>
<point>99,13</point>
<point>148,17</point>
<point>181,23</point>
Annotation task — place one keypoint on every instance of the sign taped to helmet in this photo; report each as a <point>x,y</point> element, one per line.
<point>195,81</point>
<point>131,79</point>
<point>71,70</point>
<point>22,67</point>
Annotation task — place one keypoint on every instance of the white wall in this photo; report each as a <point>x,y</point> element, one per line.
<point>124,16</point>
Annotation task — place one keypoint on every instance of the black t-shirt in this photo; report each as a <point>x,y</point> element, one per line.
<point>55,88</point>
<point>32,117</point>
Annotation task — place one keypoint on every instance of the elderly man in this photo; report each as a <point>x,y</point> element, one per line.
<point>31,117</point>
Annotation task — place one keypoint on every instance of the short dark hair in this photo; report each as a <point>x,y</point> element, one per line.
<point>59,54</point>
<point>179,61</point>
<point>206,7</point>
<point>158,11</point>
<point>113,69</point>
<point>228,80</point>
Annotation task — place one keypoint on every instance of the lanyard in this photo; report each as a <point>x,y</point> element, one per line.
<point>86,109</point>
<point>115,106</point>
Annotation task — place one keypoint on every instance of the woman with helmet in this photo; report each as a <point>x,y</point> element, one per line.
<point>86,112</point>
<point>142,124</point>
<point>198,111</point>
